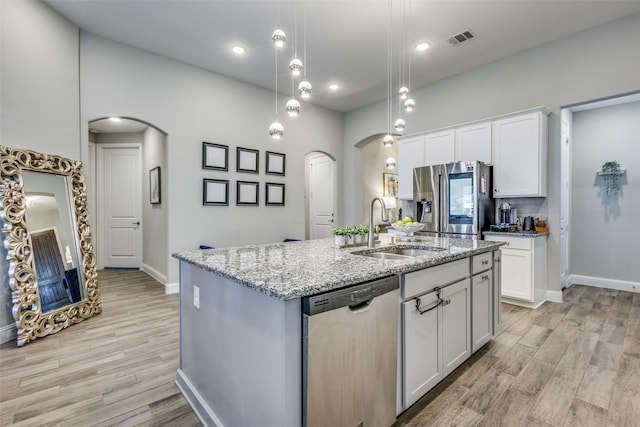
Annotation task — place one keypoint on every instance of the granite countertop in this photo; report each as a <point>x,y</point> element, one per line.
<point>298,269</point>
<point>515,233</point>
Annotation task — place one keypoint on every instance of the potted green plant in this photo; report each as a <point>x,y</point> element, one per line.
<point>339,236</point>
<point>610,173</point>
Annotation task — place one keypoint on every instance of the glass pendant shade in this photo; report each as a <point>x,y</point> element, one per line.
<point>293,107</point>
<point>387,141</point>
<point>279,37</point>
<point>399,125</point>
<point>304,89</point>
<point>295,66</point>
<point>404,92</point>
<point>409,104</point>
<point>391,163</point>
<point>276,130</point>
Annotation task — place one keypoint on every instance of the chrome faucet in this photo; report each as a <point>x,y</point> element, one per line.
<point>371,241</point>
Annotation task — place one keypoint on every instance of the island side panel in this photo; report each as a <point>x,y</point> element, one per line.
<point>240,352</point>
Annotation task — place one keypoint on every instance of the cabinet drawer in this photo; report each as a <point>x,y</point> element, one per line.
<point>481,262</point>
<point>513,242</point>
<point>421,281</point>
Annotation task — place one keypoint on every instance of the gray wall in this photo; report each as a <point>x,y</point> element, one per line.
<point>39,107</point>
<point>154,217</point>
<point>191,106</point>
<point>593,64</point>
<point>605,229</point>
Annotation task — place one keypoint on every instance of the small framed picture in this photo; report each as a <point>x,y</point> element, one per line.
<point>274,194</point>
<point>275,163</point>
<point>215,156</point>
<point>155,192</point>
<point>247,193</point>
<point>389,184</point>
<point>215,192</point>
<point>246,160</point>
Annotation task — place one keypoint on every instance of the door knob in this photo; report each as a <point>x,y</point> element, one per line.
<point>136,223</point>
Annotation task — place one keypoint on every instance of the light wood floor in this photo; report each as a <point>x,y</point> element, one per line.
<point>570,364</point>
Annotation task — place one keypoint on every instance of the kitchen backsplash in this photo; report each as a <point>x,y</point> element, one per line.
<point>526,206</point>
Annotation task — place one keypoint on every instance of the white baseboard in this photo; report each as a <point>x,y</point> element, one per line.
<point>154,273</point>
<point>554,296</point>
<point>171,288</point>
<point>200,407</point>
<point>600,282</point>
<point>8,332</point>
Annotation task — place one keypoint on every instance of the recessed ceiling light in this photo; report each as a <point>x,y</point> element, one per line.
<point>115,119</point>
<point>422,46</point>
<point>238,49</point>
<point>334,86</point>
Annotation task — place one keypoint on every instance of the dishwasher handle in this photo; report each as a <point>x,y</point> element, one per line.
<point>361,306</point>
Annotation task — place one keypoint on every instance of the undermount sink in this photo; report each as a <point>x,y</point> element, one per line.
<point>399,253</point>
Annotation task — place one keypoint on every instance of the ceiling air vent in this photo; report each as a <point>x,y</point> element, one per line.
<point>462,37</point>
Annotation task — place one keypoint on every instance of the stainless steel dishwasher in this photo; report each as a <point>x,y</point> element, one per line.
<point>350,339</point>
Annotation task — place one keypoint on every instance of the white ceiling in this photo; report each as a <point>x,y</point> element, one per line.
<point>346,40</point>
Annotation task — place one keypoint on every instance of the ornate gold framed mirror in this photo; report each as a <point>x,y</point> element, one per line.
<point>45,222</point>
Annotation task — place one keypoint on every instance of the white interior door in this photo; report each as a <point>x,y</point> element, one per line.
<point>120,194</point>
<point>321,196</point>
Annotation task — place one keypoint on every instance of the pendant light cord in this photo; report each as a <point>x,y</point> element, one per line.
<point>389,61</point>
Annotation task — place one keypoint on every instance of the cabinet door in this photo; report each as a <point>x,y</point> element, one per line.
<point>481,313</point>
<point>456,324</point>
<point>497,292</point>
<point>422,367</point>
<point>517,274</point>
<point>410,156</point>
<point>519,157</point>
<point>473,142</point>
<point>439,147</point>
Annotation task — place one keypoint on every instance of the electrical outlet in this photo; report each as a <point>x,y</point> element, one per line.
<point>196,297</point>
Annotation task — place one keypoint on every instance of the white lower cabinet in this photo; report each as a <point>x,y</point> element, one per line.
<point>497,292</point>
<point>523,266</point>
<point>456,325</point>
<point>482,313</point>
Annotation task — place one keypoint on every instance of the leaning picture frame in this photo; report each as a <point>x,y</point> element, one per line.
<point>155,190</point>
<point>274,194</point>
<point>215,192</point>
<point>247,160</point>
<point>215,156</point>
<point>247,193</point>
<point>275,163</point>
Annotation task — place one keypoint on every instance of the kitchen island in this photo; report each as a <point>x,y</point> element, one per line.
<point>240,319</point>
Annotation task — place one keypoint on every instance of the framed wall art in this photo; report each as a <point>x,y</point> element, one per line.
<point>246,160</point>
<point>389,184</point>
<point>215,156</point>
<point>155,191</point>
<point>274,194</point>
<point>247,193</point>
<point>275,163</point>
<point>215,192</point>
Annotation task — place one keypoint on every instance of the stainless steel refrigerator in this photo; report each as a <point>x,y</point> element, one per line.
<point>454,199</point>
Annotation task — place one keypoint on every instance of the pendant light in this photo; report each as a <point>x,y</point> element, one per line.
<point>276,130</point>
<point>305,88</point>
<point>391,163</point>
<point>387,141</point>
<point>293,105</point>
<point>409,104</point>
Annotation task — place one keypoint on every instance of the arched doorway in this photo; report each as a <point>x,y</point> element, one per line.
<point>129,158</point>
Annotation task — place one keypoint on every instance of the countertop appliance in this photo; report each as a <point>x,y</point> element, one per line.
<point>528,225</point>
<point>350,339</point>
<point>454,198</point>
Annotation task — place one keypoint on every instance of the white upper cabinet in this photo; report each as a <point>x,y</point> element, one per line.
<point>473,142</point>
<point>520,156</point>
<point>410,156</point>
<point>439,147</point>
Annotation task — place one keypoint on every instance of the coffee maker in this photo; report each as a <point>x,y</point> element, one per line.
<point>508,218</point>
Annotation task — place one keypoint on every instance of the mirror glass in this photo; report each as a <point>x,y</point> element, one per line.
<point>55,252</point>
<point>45,222</point>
